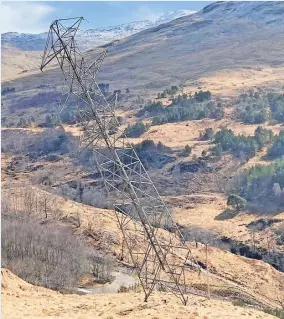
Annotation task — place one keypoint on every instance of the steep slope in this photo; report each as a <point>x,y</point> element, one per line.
<point>270,13</point>
<point>200,44</point>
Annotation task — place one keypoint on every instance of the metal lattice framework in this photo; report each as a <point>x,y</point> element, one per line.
<point>153,240</point>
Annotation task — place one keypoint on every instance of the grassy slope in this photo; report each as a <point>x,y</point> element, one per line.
<point>22,299</point>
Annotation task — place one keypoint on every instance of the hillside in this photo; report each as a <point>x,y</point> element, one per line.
<point>231,273</point>
<point>220,37</point>
<point>223,48</point>
<point>20,299</point>
<point>21,52</point>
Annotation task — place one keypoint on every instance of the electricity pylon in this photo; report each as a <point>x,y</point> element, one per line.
<point>154,242</point>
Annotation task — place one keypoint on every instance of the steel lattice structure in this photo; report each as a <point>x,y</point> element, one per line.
<point>153,240</point>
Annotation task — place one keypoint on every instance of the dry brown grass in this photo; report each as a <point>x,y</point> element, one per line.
<point>233,82</point>
<point>102,230</point>
<point>20,300</point>
<point>18,64</point>
<point>202,210</point>
<point>180,134</point>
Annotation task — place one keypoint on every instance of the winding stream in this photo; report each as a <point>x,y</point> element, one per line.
<point>120,279</point>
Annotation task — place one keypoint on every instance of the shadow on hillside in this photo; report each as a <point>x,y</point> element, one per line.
<point>227,214</point>
<point>268,208</point>
<point>251,208</point>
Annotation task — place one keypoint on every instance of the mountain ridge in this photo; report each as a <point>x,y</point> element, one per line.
<point>89,37</point>
<point>213,39</point>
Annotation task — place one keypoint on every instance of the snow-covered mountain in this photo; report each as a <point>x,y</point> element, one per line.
<point>91,37</point>
<point>228,34</point>
<point>266,12</point>
<point>173,15</point>
<point>24,41</point>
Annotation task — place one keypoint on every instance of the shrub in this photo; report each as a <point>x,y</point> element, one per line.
<point>8,90</point>
<point>259,183</point>
<point>276,104</point>
<point>275,312</point>
<point>279,231</point>
<point>171,91</point>
<point>161,95</point>
<point>153,155</point>
<point>51,140</point>
<point>104,87</point>
<point>277,149</point>
<point>187,150</point>
<point>217,150</point>
<point>22,122</point>
<point>240,303</point>
<point>236,144</point>
<point>153,108</point>
<point>208,134</point>
<point>263,136</point>
<point>240,145</point>
<point>255,107</point>
<point>202,96</point>
<point>252,108</point>
<point>254,114</point>
<point>136,129</point>
<point>49,122</point>
<point>236,202</point>
<point>184,107</point>
<point>123,289</point>
<point>68,116</point>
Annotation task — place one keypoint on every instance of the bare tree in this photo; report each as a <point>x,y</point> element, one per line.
<point>101,267</point>
<point>206,237</point>
<point>46,204</point>
<point>43,254</point>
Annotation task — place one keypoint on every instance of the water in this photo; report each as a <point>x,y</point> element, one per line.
<point>120,279</point>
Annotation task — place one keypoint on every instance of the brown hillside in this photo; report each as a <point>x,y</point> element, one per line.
<point>22,300</point>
